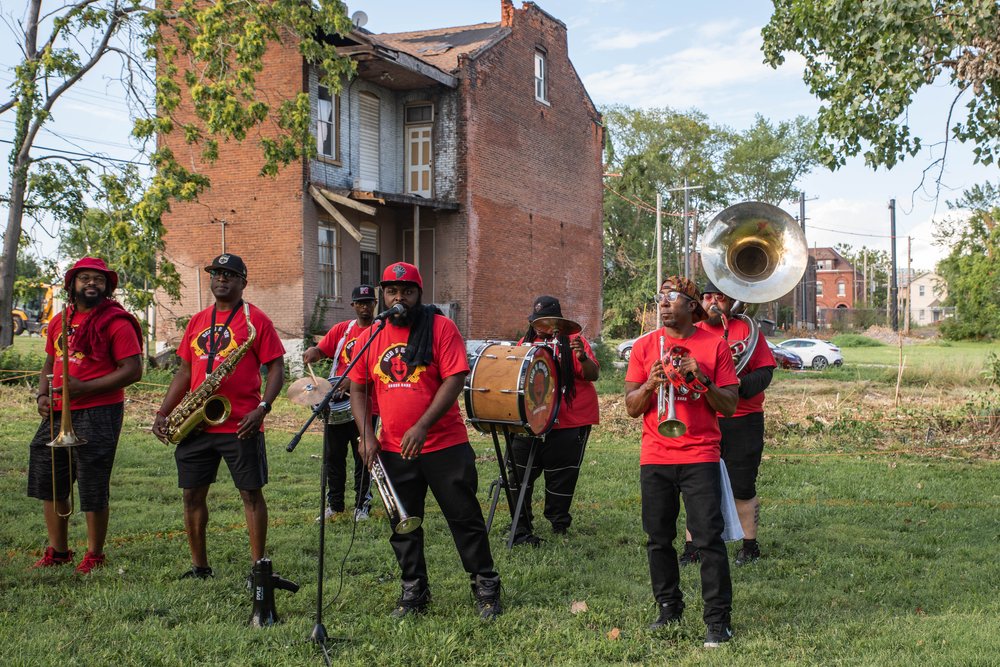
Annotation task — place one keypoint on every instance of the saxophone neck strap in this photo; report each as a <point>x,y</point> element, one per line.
<point>215,337</point>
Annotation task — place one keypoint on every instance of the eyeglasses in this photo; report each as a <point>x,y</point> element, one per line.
<point>670,296</point>
<point>714,296</point>
<point>96,278</point>
<point>223,273</point>
<point>405,291</point>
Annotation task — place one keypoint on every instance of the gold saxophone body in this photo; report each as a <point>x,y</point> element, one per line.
<point>203,407</point>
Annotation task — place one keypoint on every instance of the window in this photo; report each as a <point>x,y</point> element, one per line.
<point>920,288</point>
<point>541,74</point>
<point>369,130</point>
<point>841,289</point>
<point>419,149</point>
<point>327,123</point>
<point>819,289</point>
<point>329,262</point>
<point>370,261</point>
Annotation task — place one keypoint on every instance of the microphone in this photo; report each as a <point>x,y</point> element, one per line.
<point>398,309</point>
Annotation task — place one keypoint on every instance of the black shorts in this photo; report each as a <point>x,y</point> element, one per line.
<point>742,449</point>
<point>198,460</point>
<point>100,426</point>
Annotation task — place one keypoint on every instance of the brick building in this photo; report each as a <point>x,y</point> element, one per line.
<point>836,280</point>
<point>473,151</point>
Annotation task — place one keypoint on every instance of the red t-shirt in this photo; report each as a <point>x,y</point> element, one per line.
<point>348,332</point>
<point>583,411</point>
<point>122,344</point>
<point>700,443</point>
<point>762,358</point>
<point>242,386</point>
<point>405,392</point>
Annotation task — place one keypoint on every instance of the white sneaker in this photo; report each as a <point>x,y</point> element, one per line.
<point>361,513</point>
<point>328,515</point>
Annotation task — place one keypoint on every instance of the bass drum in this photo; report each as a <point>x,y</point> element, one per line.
<point>513,386</point>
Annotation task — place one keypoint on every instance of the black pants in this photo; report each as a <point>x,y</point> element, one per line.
<point>559,456</point>
<point>451,475</point>
<point>338,439</point>
<point>699,485</point>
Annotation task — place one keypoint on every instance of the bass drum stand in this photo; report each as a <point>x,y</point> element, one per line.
<point>507,472</point>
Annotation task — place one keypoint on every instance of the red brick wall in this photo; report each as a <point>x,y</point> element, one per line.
<point>532,183</point>
<point>829,280</point>
<point>264,217</point>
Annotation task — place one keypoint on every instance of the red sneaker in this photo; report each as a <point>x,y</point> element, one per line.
<point>91,561</point>
<point>50,559</point>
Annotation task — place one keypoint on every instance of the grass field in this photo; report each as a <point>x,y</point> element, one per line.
<point>879,529</point>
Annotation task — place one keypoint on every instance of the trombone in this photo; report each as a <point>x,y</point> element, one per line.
<point>671,426</point>
<point>67,438</point>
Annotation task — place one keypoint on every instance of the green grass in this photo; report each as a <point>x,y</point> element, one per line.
<point>938,355</point>
<point>876,559</point>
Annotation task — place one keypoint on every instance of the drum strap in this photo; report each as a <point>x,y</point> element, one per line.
<point>340,346</point>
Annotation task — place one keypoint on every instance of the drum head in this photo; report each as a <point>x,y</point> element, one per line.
<point>541,391</point>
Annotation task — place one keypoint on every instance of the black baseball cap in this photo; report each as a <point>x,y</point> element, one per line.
<point>229,262</point>
<point>363,293</point>
<point>710,288</point>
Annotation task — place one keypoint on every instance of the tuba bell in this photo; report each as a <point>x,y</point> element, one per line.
<point>755,253</point>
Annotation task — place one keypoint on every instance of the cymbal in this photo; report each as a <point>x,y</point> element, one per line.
<point>308,393</point>
<point>556,326</point>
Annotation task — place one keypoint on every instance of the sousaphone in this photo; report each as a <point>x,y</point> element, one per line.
<point>754,253</point>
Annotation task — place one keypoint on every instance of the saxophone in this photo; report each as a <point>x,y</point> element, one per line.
<point>203,407</point>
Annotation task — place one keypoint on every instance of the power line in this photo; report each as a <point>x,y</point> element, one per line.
<point>78,154</point>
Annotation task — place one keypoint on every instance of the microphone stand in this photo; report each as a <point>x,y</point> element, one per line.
<point>318,634</point>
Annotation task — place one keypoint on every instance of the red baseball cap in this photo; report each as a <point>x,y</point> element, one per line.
<point>401,272</point>
<point>94,264</point>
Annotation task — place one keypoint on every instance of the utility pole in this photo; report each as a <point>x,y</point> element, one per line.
<point>909,282</point>
<point>893,279</point>
<point>687,234</point>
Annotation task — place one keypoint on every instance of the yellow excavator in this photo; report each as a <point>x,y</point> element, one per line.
<point>34,309</point>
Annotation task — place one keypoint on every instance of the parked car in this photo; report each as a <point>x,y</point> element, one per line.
<point>785,358</point>
<point>625,348</point>
<point>815,353</point>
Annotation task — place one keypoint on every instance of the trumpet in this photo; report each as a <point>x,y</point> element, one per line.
<point>671,426</point>
<point>402,522</point>
<point>67,436</point>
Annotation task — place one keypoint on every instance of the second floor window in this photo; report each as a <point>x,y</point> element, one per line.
<point>920,288</point>
<point>541,78</point>
<point>327,141</point>
<point>819,289</point>
<point>328,248</point>
<point>841,289</point>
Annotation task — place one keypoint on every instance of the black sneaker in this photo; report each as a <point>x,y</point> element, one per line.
<point>717,634</point>
<point>486,590</point>
<point>197,573</point>
<point>531,540</point>
<point>690,555</point>
<point>413,599</point>
<point>746,555</point>
<point>669,614</point>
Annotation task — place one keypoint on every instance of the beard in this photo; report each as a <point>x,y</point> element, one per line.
<point>81,298</point>
<point>406,318</point>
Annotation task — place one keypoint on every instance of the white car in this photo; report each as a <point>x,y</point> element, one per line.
<point>814,353</point>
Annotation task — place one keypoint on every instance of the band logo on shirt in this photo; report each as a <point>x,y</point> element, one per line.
<point>57,343</point>
<point>348,352</point>
<point>226,342</point>
<point>393,371</point>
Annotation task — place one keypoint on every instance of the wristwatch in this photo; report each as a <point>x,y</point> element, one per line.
<point>708,381</point>
<point>265,405</point>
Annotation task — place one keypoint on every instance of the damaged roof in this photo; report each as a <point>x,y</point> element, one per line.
<point>442,47</point>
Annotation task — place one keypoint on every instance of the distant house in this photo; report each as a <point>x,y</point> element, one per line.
<point>836,279</point>
<point>472,151</point>
<point>927,292</point>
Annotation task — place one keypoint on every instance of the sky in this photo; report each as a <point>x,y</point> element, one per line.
<point>702,55</point>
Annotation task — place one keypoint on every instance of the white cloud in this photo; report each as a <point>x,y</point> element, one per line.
<point>717,29</point>
<point>630,39</point>
<point>715,76</point>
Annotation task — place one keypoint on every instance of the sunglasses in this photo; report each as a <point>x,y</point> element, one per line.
<point>670,296</point>
<point>223,273</point>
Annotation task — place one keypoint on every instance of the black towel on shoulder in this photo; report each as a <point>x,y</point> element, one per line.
<point>420,344</point>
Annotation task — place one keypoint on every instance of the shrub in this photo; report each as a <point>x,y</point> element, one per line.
<point>856,340</point>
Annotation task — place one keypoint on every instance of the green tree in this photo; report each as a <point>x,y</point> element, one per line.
<point>866,61</point>
<point>651,149</point>
<point>766,162</point>
<point>972,267</point>
<point>215,48</point>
